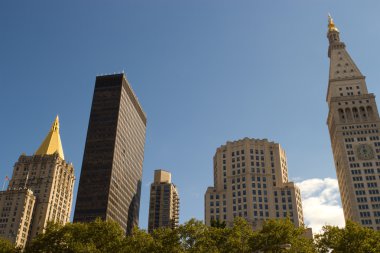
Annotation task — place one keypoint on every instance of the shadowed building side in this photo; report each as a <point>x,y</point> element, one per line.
<point>110,181</point>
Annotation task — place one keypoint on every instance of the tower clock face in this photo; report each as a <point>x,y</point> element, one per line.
<point>365,152</point>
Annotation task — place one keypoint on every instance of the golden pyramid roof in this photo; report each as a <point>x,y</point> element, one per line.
<point>52,143</point>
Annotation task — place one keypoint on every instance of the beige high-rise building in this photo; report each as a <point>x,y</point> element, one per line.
<point>251,181</point>
<point>164,202</point>
<point>16,208</point>
<point>42,185</point>
<point>354,125</point>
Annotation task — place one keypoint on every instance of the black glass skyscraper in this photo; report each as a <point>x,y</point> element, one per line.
<point>110,180</point>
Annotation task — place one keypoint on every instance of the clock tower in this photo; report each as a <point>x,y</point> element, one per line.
<point>354,125</point>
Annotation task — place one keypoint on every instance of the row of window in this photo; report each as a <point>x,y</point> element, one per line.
<point>369,185</point>
<point>364,199</point>
<point>363,192</point>
<point>358,126</point>
<point>251,151</point>
<point>360,178</point>
<point>363,132</point>
<point>366,171</point>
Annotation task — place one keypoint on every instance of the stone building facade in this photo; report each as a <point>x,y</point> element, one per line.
<point>354,125</point>
<point>40,190</point>
<point>164,202</point>
<point>16,209</point>
<point>251,181</point>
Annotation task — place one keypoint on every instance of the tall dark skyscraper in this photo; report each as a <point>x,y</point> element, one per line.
<point>110,180</point>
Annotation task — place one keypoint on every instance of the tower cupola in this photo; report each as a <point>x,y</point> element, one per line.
<point>333,32</point>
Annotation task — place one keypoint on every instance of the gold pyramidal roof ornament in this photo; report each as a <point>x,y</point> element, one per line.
<point>52,143</point>
<point>331,25</point>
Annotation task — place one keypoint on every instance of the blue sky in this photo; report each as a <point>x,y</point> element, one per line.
<point>205,72</point>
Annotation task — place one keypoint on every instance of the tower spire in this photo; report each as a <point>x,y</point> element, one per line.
<point>342,67</point>
<point>52,142</point>
<point>333,33</point>
<point>331,24</point>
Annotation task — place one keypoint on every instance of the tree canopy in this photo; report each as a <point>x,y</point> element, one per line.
<point>351,239</point>
<point>7,247</point>
<point>195,237</point>
<point>97,236</point>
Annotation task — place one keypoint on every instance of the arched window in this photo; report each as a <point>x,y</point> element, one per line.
<point>363,113</point>
<point>370,112</point>
<point>341,116</point>
<point>348,114</point>
<point>355,112</point>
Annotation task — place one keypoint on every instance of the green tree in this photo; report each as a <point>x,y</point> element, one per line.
<point>218,239</point>
<point>277,235</point>
<point>218,224</point>
<point>239,237</point>
<point>139,242</point>
<point>96,236</point>
<point>107,236</point>
<point>192,236</point>
<point>53,240</point>
<point>7,247</point>
<point>166,240</point>
<point>195,236</point>
<point>352,238</point>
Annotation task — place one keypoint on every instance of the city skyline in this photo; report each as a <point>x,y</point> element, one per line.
<point>195,68</point>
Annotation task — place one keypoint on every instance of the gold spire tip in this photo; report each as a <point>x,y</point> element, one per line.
<point>331,24</point>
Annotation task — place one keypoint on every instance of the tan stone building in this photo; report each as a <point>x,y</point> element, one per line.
<point>41,184</point>
<point>354,125</point>
<point>164,202</point>
<point>251,181</point>
<point>16,208</point>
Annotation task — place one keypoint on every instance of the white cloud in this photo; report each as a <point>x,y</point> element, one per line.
<point>321,203</point>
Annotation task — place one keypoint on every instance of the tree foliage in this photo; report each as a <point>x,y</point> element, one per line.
<point>97,236</point>
<point>352,238</point>
<point>7,247</point>
<point>276,235</point>
<point>140,241</point>
<point>218,224</point>
<point>239,237</point>
<point>166,240</point>
<point>195,237</point>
